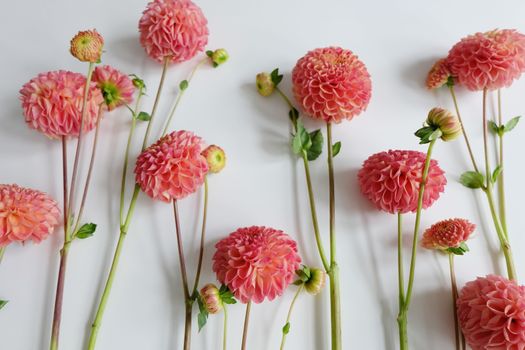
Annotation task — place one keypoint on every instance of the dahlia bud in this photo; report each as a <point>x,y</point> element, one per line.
<point>316,281</point>
<point>445,121</point>
<point>215,157</point>
<point>211,299</point>
<point>265,84</point>
<point>87,46</point>
<point>219,57</point>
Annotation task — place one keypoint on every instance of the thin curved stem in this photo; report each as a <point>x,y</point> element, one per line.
<point>225,329</point>
<point>400,269</point>
<point>454,289</point>
<point>2,252</point>
<point>465,136</point>
<point>203,238</point>
<point>290,310</point>
<point>181,93</point>
<point>246,325</point>
<point>64,184</point>
<point>501,177</point>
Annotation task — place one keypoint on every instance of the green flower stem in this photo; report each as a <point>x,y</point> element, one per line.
<point>335,295</point>
<point>311,196</point>
<point>246,324</point>
<point>402,321</point>
<point>2,252</point>
<point>188,301</point>
<point>181,93</point>
<point>403,312</point>
<point>59,296</point>
<point>124,227</point>
<point>465,136</point>
<point>225,329</point>
<point>460,339</point>
<point>283,339</point>
<point>504,242</point>
<point>501,177</point>
<point>203,238</point>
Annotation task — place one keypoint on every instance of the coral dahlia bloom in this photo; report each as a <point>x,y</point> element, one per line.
<point>438,74</point>
<point>117,88</point>
<point>447,234</point>
<point>256,263</point>
<point>491,312</point>
<point>390,180</point>
<point>26,214</point>
<point>173,28</point>
<point>52,103</point>
<point>173,167</point>
<point>331,84</point>
<point>490,60</point>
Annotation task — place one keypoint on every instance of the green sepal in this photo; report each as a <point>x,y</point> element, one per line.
<point>461,250</point>
<point>276,77</point>
<point>226,295</point>
<point>209,53</point>
<point>472,179</point>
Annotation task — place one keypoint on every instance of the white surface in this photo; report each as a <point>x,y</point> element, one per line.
<point>263,183</point>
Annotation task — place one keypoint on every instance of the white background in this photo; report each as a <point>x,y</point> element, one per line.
<point>263,183</point>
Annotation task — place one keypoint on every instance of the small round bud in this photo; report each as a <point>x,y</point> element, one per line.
<point>219,57</point>
<point>445,121</point>
<point>87,46</point>
<point>316,281</point>
<point>265,84</point>
<point>211,299</point>
<point>137,82</point>
<point>215,157</point>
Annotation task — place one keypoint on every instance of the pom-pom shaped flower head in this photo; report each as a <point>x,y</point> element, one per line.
<point>26,214</point>
<point>491,312</point>
<point>173,167</point>
<point>438,75</point>
<point>448,235</point>
<point>87,46</point>
<point>215,157</point>
<point>176,29</point>
<point>52,103</point>
<point>490,60</point>
<point>390,180</point>
<point>256,263</point>
<point>117,88</point>
<point>440,123</point>
<point>331,84</point>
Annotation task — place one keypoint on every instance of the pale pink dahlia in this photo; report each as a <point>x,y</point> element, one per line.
<point>52,103</point>
<point>173,167</point>
<point>491,312</point>
<point>438,74</point>
<point>331,84</point>
<point>256,263</point>
<point>390,180</point>
<point>26,214</point>
<point>173,28</point>
<point>490,60</point>
<point>447,234</point>
<point>117,88</point>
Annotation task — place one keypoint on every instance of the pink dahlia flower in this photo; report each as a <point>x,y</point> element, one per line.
<point>490,60</point>
<point>491,312</point>
<point>26,214</point>
<point>173,28</point>
<point>390,180</point>
<point>331,84</point>
<point>52,103</point>
<point>117,88</point>
<point>173,167</point>
<point>438,75</point>
<point>256,263</point>
<point>447,234</point>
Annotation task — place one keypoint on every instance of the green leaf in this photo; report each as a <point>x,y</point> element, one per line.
<point>301,140</point>
<point>202,318</point>
<point>472,179</point>
<point>316,148</point>
<point>496,173</point>
<point>435,135</point>
<point>276,77</point>
<point>336,147</point>
<point>144,116</point>
<point>461,250</point>
<point>3,303</point>
<point>304,273</point>
<point>86,231</point>
<point>286,328</point>
<point>493,127</point>
<point>511,124</point>
<point>209,53</point>
<point>183,85</point>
